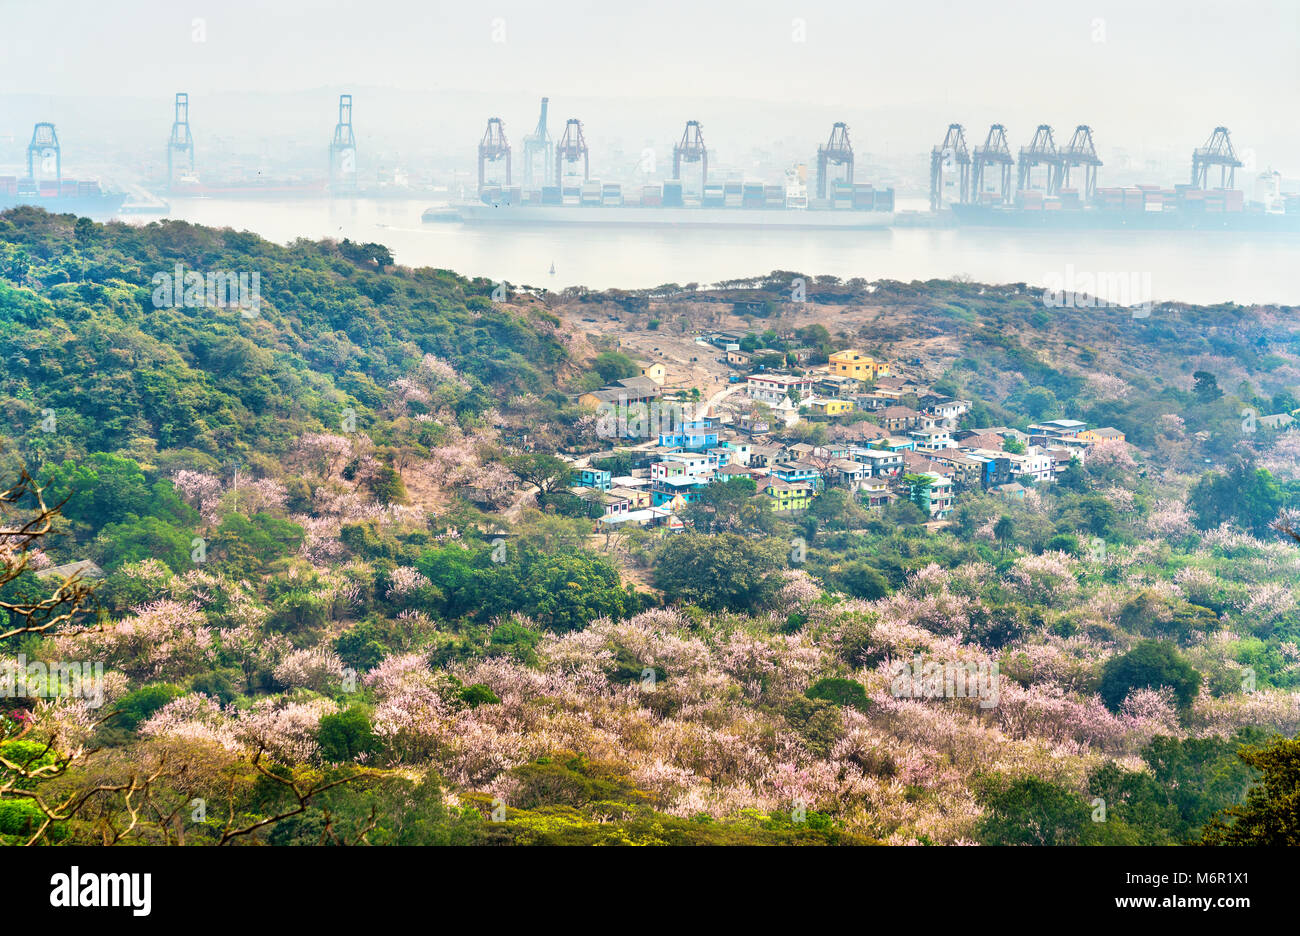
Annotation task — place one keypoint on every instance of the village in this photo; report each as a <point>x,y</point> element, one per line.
<point>854,422</point>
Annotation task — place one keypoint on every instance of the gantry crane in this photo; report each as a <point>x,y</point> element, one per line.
<point>1217,151</point>
<point>951,152</point>
<point>838,151</point>
<point>43,150</point>
<point>1041,151</point>
<point>995,152</point>
<point>571,148</point>
<point>537,143</point>
<point>1080,151</point>
<point>690,148</point>
<point>493,147</point>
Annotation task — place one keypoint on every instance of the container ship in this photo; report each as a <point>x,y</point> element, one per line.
<point>1139,207</point>
<point>189,186</point>
<point>729,204</point>
<point>62,196</point>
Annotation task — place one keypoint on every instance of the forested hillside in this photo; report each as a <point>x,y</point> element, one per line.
<point>346,597</point>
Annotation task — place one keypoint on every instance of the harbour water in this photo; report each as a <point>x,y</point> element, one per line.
<point>1201,267</point>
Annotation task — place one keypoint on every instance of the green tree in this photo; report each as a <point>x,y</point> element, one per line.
<point>721,571</point>
<point>1205,386</point>
<point>614,365</point>
<point>347,735</point>
<point>1151,664</point>
<point>1244,493</point>
<point>545,472</point>
<point>918,487</point>
<point>1271,813</point>
<point>845,692</point>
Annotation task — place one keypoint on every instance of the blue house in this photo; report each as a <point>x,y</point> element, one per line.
<point>595,478</point>
<point>696,435</point>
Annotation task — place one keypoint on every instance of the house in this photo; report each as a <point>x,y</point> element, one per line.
<point>797,450</point>
<point>855,364</point>
<point>1275,421</point>
<point>880,464</point>
<point>752,425</point>
<point>729,472</point>
<point>899,418</point>
<point>964,469</point>
<point>637,498</point>
<point>595,478</point>
<point>650,516</point>
<point>692,464</point>
<point>1035,464</point>
<point>900,385</point>
<point>937,498</point>
<point>849,472</point>
<point>694,434</point>
<point>798,471</point>
<point>1107,434</point>
<point>1011,490</point>
<point>874,492</point>
<point>931,440</point>
<point>895,444</point>
<point>878,398</point>
<point>945,408</point>
<point>760,456</point>
<point>773,389</point>
<point>677,490</point>
<point>1057,429</point>
<point>788,495</point>
<point>739,358</point>
<point>831,385</point>
<point>831,407</point>
<point>84,569</point>
<point>975,440</point>
<point>622,395</point>
<point>653,371</point>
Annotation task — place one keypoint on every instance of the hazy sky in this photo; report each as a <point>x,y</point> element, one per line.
<point>1143,73</point>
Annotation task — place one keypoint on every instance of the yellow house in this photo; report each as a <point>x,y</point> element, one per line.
<point>832,407</point>
<point>655,371</point>
<point>1104,434</point>
<point>851,363</point>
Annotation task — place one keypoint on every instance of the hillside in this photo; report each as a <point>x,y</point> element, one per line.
<point>339,550</point>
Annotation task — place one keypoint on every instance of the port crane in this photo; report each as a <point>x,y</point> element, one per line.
<point>690,148</point>
<point>1041,151</point>
<point>838,151</point>
<point>951,152</point>
<point>995,152</point>
<point>181,140</point>
<point>1081,151</point>
<point>571,148</point>
<point>1217,151</point>
<point>537,143</point>
<point>45,146</point>
<point>493,147</point>
<point>343,148</point>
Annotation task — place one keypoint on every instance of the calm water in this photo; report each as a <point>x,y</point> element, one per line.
<point>1188,266</point>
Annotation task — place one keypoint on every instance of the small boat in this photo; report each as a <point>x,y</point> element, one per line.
<point>552,267</point>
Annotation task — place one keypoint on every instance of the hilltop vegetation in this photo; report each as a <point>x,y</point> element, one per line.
<point>346,598</point>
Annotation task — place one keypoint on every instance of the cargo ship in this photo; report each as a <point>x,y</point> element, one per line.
<point>189,186</point>
<point>84,198</point>
<point>1138,208</point>
<point>729,204</point>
